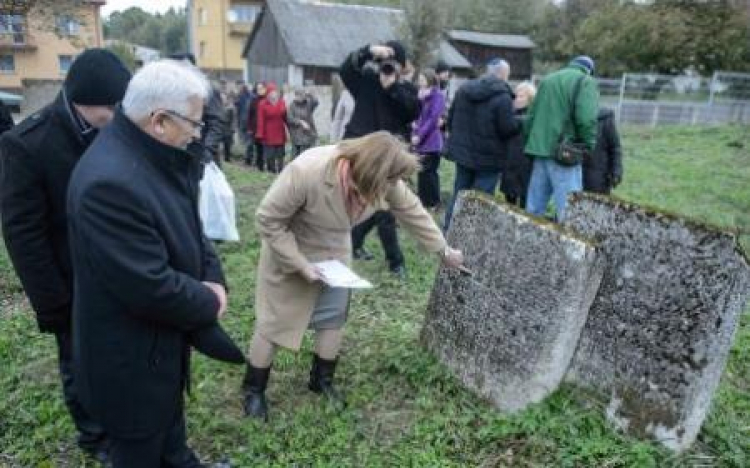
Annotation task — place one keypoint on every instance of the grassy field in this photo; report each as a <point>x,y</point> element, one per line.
<point>404,408</point>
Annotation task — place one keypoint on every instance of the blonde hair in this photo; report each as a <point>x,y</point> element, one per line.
<point>376,161</point>
<point>527,86</point>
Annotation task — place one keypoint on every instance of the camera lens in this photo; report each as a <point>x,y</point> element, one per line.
<point>387,68</point>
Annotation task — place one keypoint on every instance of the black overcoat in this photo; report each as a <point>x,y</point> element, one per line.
<point>37,158</point>
<point>139,256</point>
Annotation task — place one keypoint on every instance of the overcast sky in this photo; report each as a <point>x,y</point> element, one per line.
<point>153,6</point>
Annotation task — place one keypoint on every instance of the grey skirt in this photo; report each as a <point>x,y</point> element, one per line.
<point>331,309</point>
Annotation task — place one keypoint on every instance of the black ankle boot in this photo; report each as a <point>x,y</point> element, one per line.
<point>321,380</point>
<point>254,391</point>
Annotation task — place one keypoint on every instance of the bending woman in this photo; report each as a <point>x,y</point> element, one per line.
<point>306,217</point>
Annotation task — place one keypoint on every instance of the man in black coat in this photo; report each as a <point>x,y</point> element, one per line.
<point>381,102</point>
<point>481,123</point>
<point>36,161</point>
<point>146,278</point>
<point>602,169</point>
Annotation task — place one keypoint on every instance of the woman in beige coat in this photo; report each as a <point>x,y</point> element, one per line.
<point>306,217</point>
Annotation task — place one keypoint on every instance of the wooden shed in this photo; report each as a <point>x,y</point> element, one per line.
<point>304,43</point>
<point>479,48</point>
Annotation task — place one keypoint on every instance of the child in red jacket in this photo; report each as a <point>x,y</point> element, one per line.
<point>272,128</point>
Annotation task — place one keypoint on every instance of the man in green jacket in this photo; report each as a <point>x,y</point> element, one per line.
<point>550,117</point>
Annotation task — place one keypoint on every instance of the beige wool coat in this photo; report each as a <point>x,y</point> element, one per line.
<point>302,218</point>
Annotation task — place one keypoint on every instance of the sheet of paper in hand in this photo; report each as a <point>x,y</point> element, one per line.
<point>338,275</point>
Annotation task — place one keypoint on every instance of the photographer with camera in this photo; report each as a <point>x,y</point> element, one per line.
<point>382,102</point>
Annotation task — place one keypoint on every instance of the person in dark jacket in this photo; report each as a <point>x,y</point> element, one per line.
<point>602,170</point>
<point>481,124</point>
<point>37,158</point>
<point>240,110</point>
<point>229,125</point>
<point>427,140</point>
<point>254,144</point>
<point>382,102</point>
<point>301,122</point>
<point>146,278</point>
<point>517,172</point>
<point>6,120</point>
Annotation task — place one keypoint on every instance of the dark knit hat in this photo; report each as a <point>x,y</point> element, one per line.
<point>399,52</point>
<point>585,61</point>
<point>96,78</point>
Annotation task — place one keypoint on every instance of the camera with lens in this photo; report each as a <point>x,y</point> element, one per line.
<point>387,66</point>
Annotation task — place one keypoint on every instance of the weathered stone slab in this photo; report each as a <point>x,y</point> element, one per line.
<point>662,323</point>
<point>509,331</point>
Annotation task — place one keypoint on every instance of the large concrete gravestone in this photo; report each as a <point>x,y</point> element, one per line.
<point>661,326</point>
<point>509,331</point>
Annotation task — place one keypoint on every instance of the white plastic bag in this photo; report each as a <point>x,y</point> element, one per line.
<point>216,206</point>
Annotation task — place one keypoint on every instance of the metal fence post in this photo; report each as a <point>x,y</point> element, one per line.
<point>619,102</point>
<point>710,118</point>
<point>712,88</point>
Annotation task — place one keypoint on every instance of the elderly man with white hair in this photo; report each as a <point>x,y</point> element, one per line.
<point>481,124</point>
<point>147,282</point>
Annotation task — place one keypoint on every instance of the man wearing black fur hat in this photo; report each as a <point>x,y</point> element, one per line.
<point>37,158</point>
<point>381,102</point>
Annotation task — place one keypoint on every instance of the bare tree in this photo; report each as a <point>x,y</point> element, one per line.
<point>422,28</point>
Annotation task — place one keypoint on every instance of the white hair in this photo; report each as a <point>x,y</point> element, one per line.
<point>499,68</point>
<point>164,84</point>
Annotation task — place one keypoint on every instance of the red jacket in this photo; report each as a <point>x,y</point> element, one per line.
<point>272,122</point>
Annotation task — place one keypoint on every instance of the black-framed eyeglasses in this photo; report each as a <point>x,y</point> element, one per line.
<point>194,123</point>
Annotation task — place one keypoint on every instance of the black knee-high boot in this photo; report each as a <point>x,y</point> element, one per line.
<point>321,380</point>
<point>254,390</point>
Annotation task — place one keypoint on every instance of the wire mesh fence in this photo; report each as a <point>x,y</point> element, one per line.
<point>653,99</point>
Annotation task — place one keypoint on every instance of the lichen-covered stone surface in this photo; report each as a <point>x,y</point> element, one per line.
<point>509,331</point>
<point>661,326</point>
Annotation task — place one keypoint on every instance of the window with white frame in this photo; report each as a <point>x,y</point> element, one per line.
<point>67,25</point>
<point>13,26</point>
<point>243,13</point>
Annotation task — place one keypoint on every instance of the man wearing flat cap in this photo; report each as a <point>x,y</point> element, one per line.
<point>37,158</point>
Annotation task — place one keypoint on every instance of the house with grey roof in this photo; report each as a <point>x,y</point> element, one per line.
<point>479,48</point>
<point>304,43</point>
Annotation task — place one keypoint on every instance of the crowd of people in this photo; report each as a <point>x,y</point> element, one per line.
<point>98,195</point>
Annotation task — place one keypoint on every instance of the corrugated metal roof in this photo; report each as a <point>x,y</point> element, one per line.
<point>513,41</point>
<point>322,34</point>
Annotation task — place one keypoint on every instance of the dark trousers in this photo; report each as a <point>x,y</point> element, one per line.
<point>254,153</point>
<point>166,449</point>
<point>470,179</point>
<point>227,143</point>
<point>274,156</point>
<point>386,224</point>
<point>428,180</point>
<point>91,435</point>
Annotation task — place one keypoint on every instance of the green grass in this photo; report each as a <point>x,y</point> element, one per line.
<point>404,407</point>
